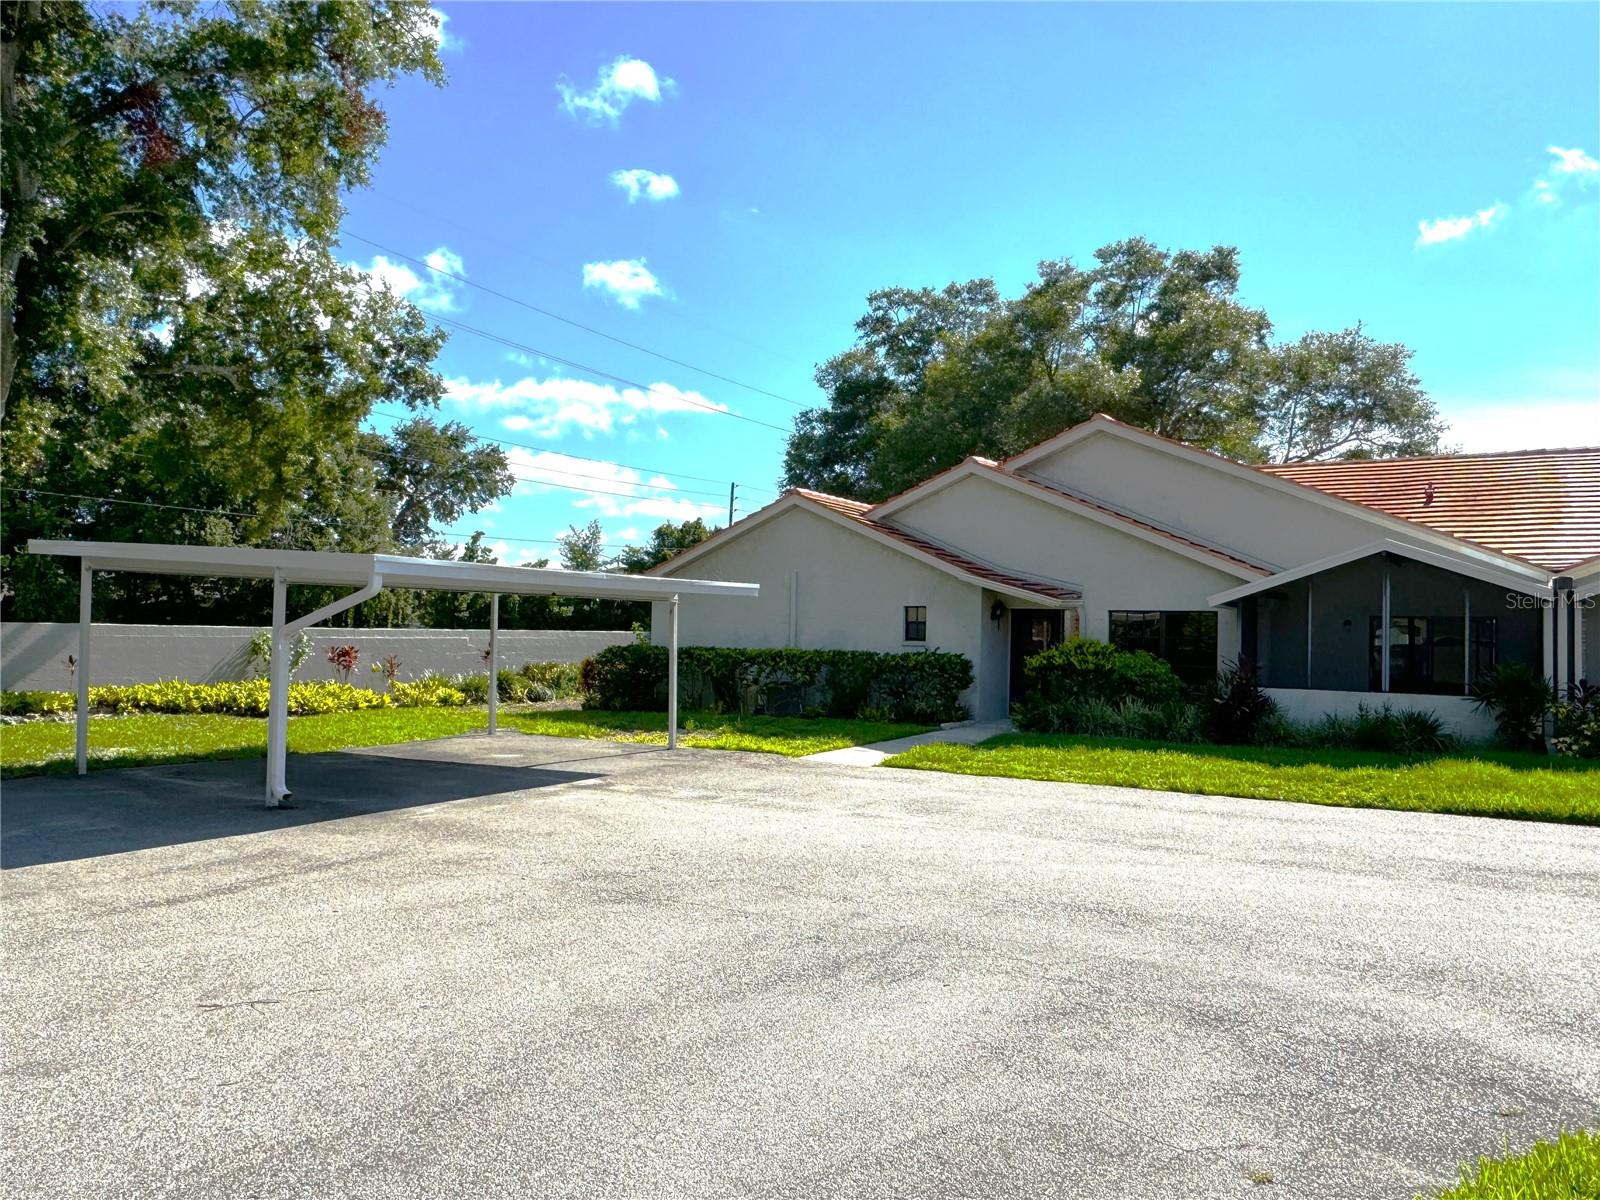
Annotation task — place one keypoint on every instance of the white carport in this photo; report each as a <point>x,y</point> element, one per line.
<point>368,574</point>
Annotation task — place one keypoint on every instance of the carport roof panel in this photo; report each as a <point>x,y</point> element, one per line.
<point>354,570</point>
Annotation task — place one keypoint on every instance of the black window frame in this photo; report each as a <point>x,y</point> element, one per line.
<point>1418,654</point>
<point>916,627</point>
<point>1164,638</point>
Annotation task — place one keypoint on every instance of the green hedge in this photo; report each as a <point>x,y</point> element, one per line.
<point>922,686</point>
<point>1082,672</point>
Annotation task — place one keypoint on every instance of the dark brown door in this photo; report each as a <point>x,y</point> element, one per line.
<point>1033,630</point>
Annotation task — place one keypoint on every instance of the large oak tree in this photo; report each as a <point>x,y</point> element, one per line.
<point>1156,338</point>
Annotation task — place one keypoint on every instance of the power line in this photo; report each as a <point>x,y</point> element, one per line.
<point>545,312</point>
<point>578,366</point>
<point>522,251</point>
<point>141,503</point>
<point>483,437</point>
<point>577,475</point>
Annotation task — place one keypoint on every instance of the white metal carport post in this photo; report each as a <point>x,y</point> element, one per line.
<point>278,692</point>
<point>85,626</point>
<point>494,663</point>
<point>672,676</point>
<point>278,698</point>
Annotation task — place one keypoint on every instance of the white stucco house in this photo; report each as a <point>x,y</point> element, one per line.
<point>1347,582</point>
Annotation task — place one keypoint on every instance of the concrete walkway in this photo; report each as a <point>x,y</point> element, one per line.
<point>969,733</point>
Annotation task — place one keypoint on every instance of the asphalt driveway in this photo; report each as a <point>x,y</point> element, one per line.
<point>530,967</point>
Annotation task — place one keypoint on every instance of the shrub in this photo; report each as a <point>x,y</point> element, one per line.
<point>559,679</point>
<point>1084,669</point>
<point>922,686</point>
<point>344,660</point>
<point>1518,696</point>
<point>431,691</point>
<point>1239,704</point>
<point>1578,722</point>
<point>1410,731</point>
<point>1171,721</point>
<point>258,655</point>
<point>244,698</point>
<point>35,704</point>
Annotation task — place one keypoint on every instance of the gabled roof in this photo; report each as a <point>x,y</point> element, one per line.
<point>853,513</point>
<point>1100,424</point>
<point>1542,506</point>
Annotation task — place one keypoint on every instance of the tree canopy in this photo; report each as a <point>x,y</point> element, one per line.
<point>1157,338</point>
<point>185,357</point>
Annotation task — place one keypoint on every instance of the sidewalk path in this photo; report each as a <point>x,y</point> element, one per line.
<point>968,734</point>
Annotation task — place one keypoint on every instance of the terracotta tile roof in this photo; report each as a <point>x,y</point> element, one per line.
<point>1130,519</point>
<point>1542,506</point>
<point>856,511</point>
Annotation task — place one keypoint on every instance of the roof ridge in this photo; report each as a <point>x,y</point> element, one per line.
<point>1463,456</point>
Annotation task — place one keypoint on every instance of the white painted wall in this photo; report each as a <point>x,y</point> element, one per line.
<point>1033,537</point>
<point>33,654</point>
<point>1254,520</point>
<point>1458,713</point>
<point>827,587</point>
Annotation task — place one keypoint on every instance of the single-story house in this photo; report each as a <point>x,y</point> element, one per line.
<point>1347,582</point>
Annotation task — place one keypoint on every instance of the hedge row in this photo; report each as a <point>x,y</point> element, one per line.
<point>243,698</point>
<point>923,686</point>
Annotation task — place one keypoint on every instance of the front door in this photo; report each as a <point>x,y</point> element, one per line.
<point>1033,630</point>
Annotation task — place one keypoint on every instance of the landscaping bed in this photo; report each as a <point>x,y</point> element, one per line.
<point>1496,783</point>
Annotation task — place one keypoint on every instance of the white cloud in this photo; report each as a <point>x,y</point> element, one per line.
<point>428,290</point>
<point>1449,229</point>
<point>1530,425</point>
<point>627,280</point>
<point>649,185</point>
<point>553,406</point>
<point>605,489</point>
<point>620,83</point>
<point>1573,162</point>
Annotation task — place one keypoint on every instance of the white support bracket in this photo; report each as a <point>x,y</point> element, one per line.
<point>283,633</point>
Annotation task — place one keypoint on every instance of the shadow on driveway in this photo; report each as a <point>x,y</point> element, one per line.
<point>58,819</point>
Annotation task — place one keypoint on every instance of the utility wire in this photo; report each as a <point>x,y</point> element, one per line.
<point>584,367</point>
<point>483,437</point>
<point>545,312</point>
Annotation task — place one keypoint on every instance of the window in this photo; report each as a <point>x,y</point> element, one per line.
<point>1187,640</point>
<point>916,623</point>
<point>1426,654</point>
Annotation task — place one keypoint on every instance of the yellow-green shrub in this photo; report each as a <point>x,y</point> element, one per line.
<point>28,704</point>
<point>427,692</point>
<point>241,698</point>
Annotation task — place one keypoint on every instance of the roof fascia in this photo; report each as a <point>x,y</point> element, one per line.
<point>1459,564</point>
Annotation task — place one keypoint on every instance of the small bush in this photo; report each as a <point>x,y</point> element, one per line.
<point>1578,722</point>
<point>560,679</point>
<point>431,691</point>
<point>1084,669</point>
<point>1518,696</point>
<point>344,660</point>
<point>1239,705</point>
<point>36,704</point>
<point>1172,721</point>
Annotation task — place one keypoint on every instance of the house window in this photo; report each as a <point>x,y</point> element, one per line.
<point>1426,654</point>
<point>1187,640</point>
<point>916,623</point>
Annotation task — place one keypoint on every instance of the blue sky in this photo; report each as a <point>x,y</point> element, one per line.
<point>723,184</point>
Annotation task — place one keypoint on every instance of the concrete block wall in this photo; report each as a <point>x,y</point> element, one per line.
<point>33,654</point>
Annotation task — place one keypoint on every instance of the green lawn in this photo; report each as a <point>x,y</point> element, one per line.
<point>791,736</point>
<point>43,747</point>
<point>1565,1169</point>
<point>1481,782</point>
